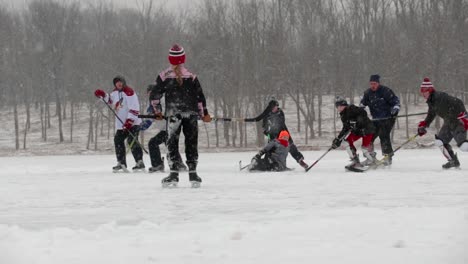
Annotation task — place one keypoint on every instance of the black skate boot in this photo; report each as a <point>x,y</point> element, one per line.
<point>140,166</point>
<point>119,168</point>
<point>453,163</point>
<point>171,180</point>
<point>194,179</point>
<point>159,168</point>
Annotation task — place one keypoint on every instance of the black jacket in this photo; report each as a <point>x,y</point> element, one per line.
<point>273,123</point>
<point>443,105</point>
<point>355,119</point>
<point>380,102</point>
<point>185,99</point>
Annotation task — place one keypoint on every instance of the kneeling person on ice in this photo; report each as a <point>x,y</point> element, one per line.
<point>355,121</point>
<point>276,152</point>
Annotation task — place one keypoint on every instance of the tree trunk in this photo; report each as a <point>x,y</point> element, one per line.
<point>15,114</point>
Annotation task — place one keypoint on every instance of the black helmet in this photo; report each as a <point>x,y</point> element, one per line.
<point>273,103</point>
<point>340,101</point>
<point>119,78</point>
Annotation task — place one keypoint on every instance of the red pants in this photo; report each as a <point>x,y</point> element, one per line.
<point>366,140</point>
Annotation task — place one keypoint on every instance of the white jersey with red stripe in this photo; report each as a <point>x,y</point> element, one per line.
<point>126,105</point>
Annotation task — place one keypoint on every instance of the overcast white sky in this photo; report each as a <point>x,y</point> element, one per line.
<point>171,4</point>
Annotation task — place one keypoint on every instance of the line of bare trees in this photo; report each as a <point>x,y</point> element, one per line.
<point>54,55</point>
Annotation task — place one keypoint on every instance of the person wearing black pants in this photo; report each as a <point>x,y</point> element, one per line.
<point>157,163</point>
<point>124,102</point>
<point>119,143</point>
<point>384,105</point>
<point>184,104</point>
<point>452,110</point>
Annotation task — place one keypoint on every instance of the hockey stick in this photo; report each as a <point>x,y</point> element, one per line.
<point>381,161</point>
<point>130,133</point>
<point>326,152</point>
<point>225,119</point>
<point>386,118</point>
<point>323,155</point>
<point>242,167</point>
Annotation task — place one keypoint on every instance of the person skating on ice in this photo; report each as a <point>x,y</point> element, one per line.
<point>384,107</point>
<point>184,104</point>
<point>358,125</point>
<point>453,112</point>
<point>125,102</point>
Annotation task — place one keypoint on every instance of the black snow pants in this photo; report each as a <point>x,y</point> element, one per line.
<point>119,143</point>
<point>383,128</point>
<point>155,152</point>
<point>189,126</point>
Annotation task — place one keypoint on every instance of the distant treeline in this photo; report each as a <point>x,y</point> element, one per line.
<point>244,53</point>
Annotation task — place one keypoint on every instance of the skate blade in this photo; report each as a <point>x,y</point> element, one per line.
<point>139,170</point>
<point>121,171</point>
<point>169,185</point>
<point>354,169</point>
<point>195,184</point>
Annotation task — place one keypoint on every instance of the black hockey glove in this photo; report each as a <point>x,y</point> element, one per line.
<point>336,143</point>
<point>395,111</point>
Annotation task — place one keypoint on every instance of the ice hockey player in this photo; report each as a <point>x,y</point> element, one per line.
<point>184,104</point>
<point>276,152</point>
<point>273,123</point>
<point>157,163</point>
<point>358,125</point>
<point>125,102</point>
<point>384,106</point>
<point>453,112</point>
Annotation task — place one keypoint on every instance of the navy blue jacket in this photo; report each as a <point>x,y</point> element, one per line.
<point>380,102</point>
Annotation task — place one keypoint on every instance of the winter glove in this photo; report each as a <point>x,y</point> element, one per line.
<point>206,118</point>
<point>422,128</point>
<point>100,93</point>
<point>395,111</point>
<point>145,124</point>
<point>158,116</point>
<point>336,143</point>
<point>463,117</point>
<point>128,124</point>
<point>257,157</point>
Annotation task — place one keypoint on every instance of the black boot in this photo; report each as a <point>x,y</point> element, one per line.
<point>453,163</point>
<point>171,180</point>
<point>119,168</point>
<point>159,168</point>
<point>195,180</point>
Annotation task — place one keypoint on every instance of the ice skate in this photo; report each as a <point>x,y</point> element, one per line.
<point>195,180</point>
<point>140,166</point>
<point>355,165</point>
<point>159,168</point>
<point>171,181</point>
<point>453,163</point>
<point>119,168</point>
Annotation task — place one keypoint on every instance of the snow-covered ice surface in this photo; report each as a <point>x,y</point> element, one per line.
<point>73,209</point>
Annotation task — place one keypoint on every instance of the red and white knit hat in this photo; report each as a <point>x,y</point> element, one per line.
<point>426,86</point>
<point>176,55</point>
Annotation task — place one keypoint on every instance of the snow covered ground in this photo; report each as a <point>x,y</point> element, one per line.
<point>72,209</point>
